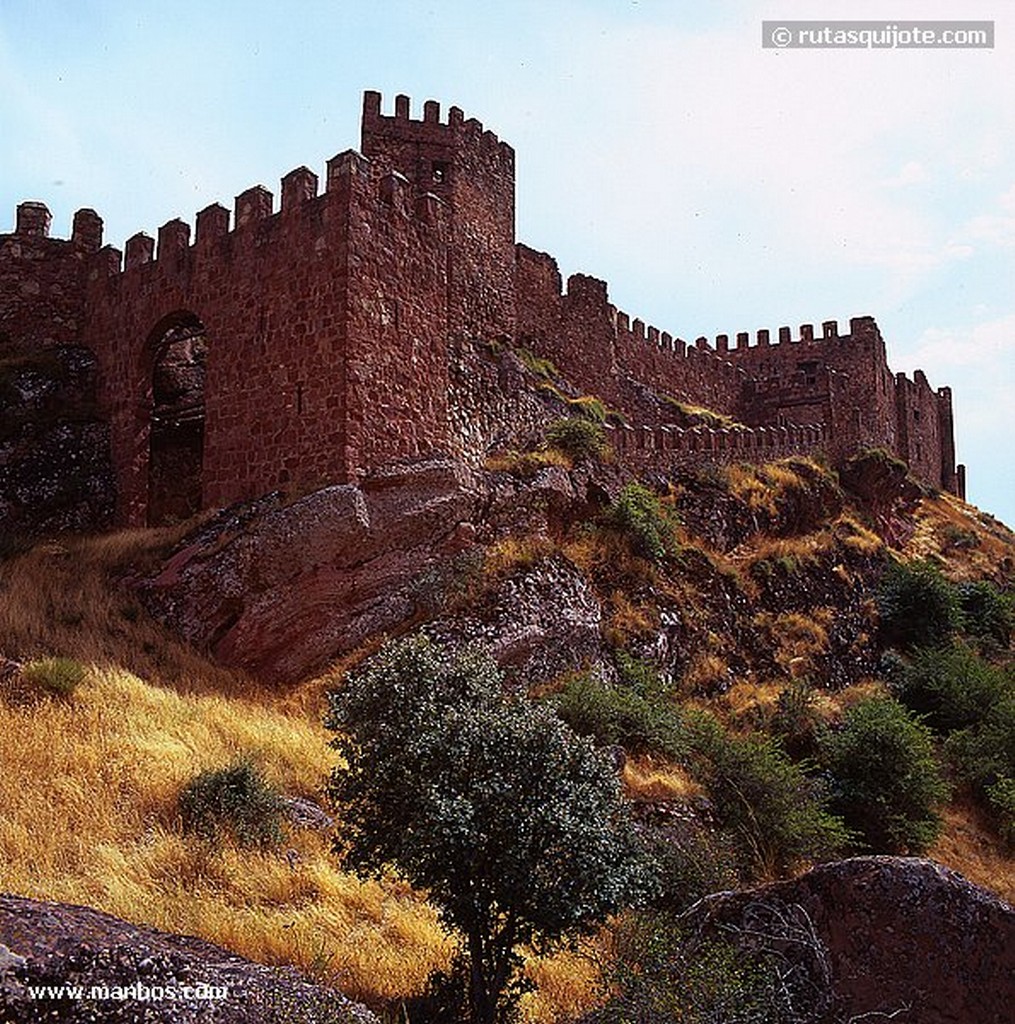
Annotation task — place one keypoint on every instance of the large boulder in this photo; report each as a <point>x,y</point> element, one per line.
<point>903,938</point>
<point>75,965</point>
<point>281,588</point>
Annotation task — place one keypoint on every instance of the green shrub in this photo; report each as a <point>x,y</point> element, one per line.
<point>639,516</point>
<point>1001,796</point>
<point>57,677</point>
<point>984,753</point>
<point>886,780</point>
<point>617,716</point>
<point>692,860</point>
<point>775,812</point>
<point>796,721</point>
<point>986,612</point>
<point>918,606</point>
<point>953,688</point>
<point>638,675</point>
<point>235,801</point>
<point>544,368</point>
<point>578,437</point>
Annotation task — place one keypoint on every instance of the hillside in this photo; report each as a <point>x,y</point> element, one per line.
<point>756,599</point>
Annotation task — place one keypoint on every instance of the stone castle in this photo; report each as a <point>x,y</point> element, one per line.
<point>314,342</point>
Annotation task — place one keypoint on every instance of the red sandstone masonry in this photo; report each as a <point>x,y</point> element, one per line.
<point>328,324</point>
<point>672,447</point>
<point>310,367</point>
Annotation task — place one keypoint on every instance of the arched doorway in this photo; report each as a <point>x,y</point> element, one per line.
<point>176,435</point>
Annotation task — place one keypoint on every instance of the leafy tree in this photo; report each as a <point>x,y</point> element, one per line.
<point>918,606</point>
<point>887,781</point>
<point>513,825</point>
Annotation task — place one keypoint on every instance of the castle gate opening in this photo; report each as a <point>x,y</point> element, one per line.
<point>176,399</point>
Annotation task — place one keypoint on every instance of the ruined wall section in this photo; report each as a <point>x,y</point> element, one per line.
<point>693,374</point>
<point>474,173</point>
<point>272,294</point>
<point>669,447</point>
<point>602,350</point>
<point>42,279</point>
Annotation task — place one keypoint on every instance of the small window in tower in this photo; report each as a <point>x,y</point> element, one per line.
<point>916,414</point>
<point>439,172</point>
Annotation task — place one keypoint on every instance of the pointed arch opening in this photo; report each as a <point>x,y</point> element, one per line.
<point>178,352</point>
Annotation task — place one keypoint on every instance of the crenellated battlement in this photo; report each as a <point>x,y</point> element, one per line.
<point>672,446</point>
<point>33,221</point>
<point>329,309</point>
<point>430,129</point>
<point>253,211</point>
<point>861,328</point>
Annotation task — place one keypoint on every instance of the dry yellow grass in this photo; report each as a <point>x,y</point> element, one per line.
<point>801,550</point>
<point>568,984</point>
<point>629,618</point>
<point>89,794</point>
<point>89,786</point>
<point>796,638</point>
<point>759,487</point>
<point>985,542</point>
<point>967,845</point>
<point>646,779</point>
<point>856,536</point>
<point>511,553</point>
<point>753,702</point>
<point>704,673</point>
<point>65,599</point>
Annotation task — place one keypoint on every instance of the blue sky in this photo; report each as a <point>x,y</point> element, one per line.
<point>715,185</point>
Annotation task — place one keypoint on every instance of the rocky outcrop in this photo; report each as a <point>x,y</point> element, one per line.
<point>279,589</point>
<point>902,938</point>
<point>537,623</point>
<point>74,965</point>
<point>55,468</point>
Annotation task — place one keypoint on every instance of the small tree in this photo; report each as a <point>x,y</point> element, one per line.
<point>918,606</point>
<point>887,781</point>
<point>512,824</point>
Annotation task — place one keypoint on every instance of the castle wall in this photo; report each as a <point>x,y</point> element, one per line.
<point>397,376</point>
<point>691,373</point>
<point>596,346</point>
<point>335,328</point>
<point>668,448</point>
<point>302,309</point>
<point>474,173</point>
<point>922,418</point>
<point>41,279</point>
<point>841,380</point>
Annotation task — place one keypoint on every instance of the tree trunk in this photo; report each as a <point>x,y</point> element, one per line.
<point>482,1003</point>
